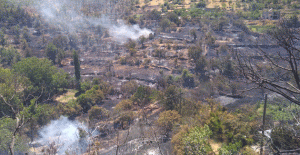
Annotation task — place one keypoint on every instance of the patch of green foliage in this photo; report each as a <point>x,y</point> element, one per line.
<point>196,141</point>
<point>260,28</point>
<point>279,109</point>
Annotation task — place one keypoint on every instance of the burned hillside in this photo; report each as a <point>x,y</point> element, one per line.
<point>149,77</point>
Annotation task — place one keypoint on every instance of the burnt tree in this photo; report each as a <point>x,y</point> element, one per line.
<point>278,70</point>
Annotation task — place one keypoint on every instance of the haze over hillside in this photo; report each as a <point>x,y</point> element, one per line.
<point>149,77</point>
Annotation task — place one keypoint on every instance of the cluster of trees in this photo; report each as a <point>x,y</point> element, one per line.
<point>27,92</point>
<point>24,91</point>
<point>30,84</point>
<point>12,15</point>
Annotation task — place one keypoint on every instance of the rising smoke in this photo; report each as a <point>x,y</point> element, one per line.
<point>67,15</point>
<point>65,134</point>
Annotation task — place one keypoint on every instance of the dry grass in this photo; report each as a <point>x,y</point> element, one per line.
<point>215,3</point>
<point>69,95</point>
<point>215,146</point>
<point>159,2</point>
<point>151,3</point>
<point>156,2</point>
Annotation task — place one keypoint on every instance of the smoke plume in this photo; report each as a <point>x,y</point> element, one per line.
<point>65,134</point>
<point>67,15</point>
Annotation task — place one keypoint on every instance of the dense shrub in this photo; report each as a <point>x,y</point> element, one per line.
<point>97,113</point>
<point>167,120</point>
<point>286,137</point>
<point>142,95</point>
<point>196,141</point>
<point>9,56</point>
<point>129,88</point>
<point>154,15</point>
<point>164,24</point>
<point>95,95</point>
<point>124,105</point>
<point>187,79</point>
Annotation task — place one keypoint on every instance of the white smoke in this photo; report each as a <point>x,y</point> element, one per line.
<point>65,134</point>
<point>123,32</point>
<point>66,15</point>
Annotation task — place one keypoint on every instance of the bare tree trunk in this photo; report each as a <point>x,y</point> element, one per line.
<point>117,150</point>
<point>12,144</point>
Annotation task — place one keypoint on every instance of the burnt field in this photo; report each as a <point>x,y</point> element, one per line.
<point>145,77</point>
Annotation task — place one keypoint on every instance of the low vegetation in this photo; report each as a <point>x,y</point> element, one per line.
<point>181,76</point>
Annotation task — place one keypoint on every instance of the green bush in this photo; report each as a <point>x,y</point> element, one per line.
<point>142,95</point>
<point>231,148</point>
<point>9,56</point>
<point>129,88</point>
<point>164,24</point>
<point>167,120</point>
<point>187,79</point>
<point>196,141</point>
<point>72,108</point>
<point>84,102</point>
<point>98,113</point>
<point>124,105</point>
<point>95,95</point>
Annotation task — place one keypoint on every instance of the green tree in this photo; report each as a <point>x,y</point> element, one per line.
<point>60,79</point>
<point>167,120</point>
<point>194,53</point>
<point>194,34</point>
<point>173,17</point>
<point>200,65</point>
<point>16,114</point>
<point>129,88</point>
<point>2,38</point>
<point>7,127</point>
<point>187,79</point>
<point>51,52</point>
<point>84,102</point>
<point>171,98</point>
<point>77,68</point>
<point>38,26</point>
<point>293,21</point>
<point>26,34</point>
<point>209,39</point>
<point>61,42</point>
<point>60,56</point>
<point>96,114</point>
<point>228,68</point>
<point>142,95</point>
<point>27,52</point>
<point>9,56</point>
<point>142,40</point>
<point>201,4</point>
<point>219,24</point>
<point>154,15</point>
<point>41,74</point>
<point>164,24</point>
